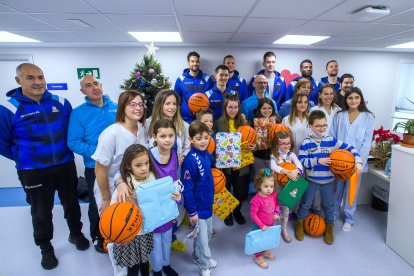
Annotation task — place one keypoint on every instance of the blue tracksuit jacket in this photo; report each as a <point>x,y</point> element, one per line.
<point>279,88</point>
<point>216,99</point>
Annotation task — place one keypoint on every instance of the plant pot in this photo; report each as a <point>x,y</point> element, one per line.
<point>408,139</point>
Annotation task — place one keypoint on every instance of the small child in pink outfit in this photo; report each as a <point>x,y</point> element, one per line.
<point>264,210</point>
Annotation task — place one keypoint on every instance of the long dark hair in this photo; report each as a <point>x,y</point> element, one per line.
<point>268,101</point>
<point>132,152</point>
<point>238,120</point>
<point>293,111</point>
<point>362,106</point>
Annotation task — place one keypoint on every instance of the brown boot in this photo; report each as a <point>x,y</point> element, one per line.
<point>299,234</point>
<point>285,219</point>
<point>328,237</point>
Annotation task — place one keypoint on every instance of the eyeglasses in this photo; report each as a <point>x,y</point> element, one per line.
<point>261,82</point>
<point>134,105</point>
<point>285,144</point>
<point>321,126</point>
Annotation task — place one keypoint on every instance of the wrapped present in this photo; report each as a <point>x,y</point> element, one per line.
<point>259,240</point>
<point>224,203</point>
<point>261,126</point>
<point>292,192</point>
<point>228,149</point>
<point>247,158</point>
<point>151,196</point>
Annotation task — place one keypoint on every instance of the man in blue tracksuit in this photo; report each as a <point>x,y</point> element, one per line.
<point>191,81</point>
<point>217,94</point>
<point>276,86</point>
<point>86,123</point>
<point>33,133</point>
<point>332,77</point>
<point>306,71</point>
<point>235,82</point>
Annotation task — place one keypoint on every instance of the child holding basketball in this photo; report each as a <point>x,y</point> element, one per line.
<point>282,151</point>
<point>131,258</point>
<point>264,209</point>
<point>198,193</point>
<point>314,156</point>
<point>165,161</point>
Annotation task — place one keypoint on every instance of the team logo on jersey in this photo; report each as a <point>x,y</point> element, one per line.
<point>54,109</point>
<point>187,175</point>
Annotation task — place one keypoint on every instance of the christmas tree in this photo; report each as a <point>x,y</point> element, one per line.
<point>147,79</point>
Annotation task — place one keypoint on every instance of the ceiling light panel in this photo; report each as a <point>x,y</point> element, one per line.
<point>300,39</point>
<point>157,36</point>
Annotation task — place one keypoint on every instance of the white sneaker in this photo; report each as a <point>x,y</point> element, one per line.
<point>205,272</point>
<point>213,263</point>
<point>346,227</point>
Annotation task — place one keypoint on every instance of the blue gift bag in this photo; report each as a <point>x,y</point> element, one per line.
<point>154,200</point>
<point>259,240</point>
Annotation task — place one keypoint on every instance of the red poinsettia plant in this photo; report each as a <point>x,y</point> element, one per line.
<point>382,135</point>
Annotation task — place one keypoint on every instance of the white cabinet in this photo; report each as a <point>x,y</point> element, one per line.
<point>400,225</point>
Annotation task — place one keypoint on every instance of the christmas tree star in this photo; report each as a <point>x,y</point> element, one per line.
<point>151,49</point>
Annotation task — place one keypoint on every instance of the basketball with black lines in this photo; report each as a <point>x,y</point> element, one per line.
<point>249,135</point>
<point>314,225</point>
<point>282,179</point>
<point>197,102</point>
<point>120,222</point>
<point>342,162</point>
<point>219,180</point>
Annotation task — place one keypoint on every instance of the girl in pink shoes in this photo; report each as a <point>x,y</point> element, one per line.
<point>264,210</point>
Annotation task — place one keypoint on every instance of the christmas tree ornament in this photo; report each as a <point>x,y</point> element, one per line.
<point>137,74</point>
<point>151,49</point>
<point>142,84</point>
<point>151,71</point>
<point>154,81</point>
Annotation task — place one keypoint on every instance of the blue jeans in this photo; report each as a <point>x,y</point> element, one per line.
<point>201,251</point>
<point>341,190</point>
<point>327,193</point>
<point>160,255</point>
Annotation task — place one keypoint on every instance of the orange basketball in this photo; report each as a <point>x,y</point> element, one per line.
<point>211,145</point>
<point>197,102</point>
<point>282,179</point>
<point>274,129</point>
<point>342,161</point>
<point>345,175</point>
<point>120,222</point>
<point>314,225</point>
<point>249,135</point>
<point>219,180</point>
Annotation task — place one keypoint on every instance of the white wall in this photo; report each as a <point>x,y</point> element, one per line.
<point>375,72</point>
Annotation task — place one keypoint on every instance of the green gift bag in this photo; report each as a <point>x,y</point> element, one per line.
<point>292,192</point>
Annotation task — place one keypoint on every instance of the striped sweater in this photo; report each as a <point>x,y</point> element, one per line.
<point>311,151</point>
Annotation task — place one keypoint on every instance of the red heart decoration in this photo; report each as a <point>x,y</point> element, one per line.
<point>288,76</point>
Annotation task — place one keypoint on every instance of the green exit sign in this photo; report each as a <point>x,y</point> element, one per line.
<point>88,71</point>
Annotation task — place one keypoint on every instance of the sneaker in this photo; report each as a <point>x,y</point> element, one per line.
<point>239,218</point>
<point>260,261</point>
<point>205,272</point>
<point>49,260</point>
<point>99,246</point>
<point>346,227</point>
<point>169,271</point>
<point>213,263</point>
<point>178,246</point>
<point>299,234</point>
<point>328,237</point>
<point>269,255</point>
<point>80,241</point>
<point>228,220</point>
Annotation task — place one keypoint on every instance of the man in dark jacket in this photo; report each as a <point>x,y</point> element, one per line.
<point>33,133</point>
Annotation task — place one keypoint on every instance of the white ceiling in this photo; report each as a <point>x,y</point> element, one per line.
<point>238,23</point>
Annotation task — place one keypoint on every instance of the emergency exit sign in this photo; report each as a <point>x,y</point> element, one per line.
<point>88,71</point>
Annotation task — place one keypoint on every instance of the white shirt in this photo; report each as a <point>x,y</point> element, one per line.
<point>299,131</point>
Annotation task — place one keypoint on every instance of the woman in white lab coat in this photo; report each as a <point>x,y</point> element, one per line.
<point>354,125</point>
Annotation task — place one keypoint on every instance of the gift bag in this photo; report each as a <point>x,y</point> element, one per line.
<point>154,200</point>
<point>228,149</point>
<point>224,203</point>
<point>292,192</point>
<point>259,240</point>
<point>247,158</point>
<point>261,125</point>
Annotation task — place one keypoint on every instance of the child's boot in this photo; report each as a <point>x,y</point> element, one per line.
<point>260,261</point>
<point>285,219</point>
<point>299,234</point>
<point>328,237</point>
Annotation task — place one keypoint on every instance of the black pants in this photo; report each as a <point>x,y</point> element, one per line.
<point>143,268</point>
<point>93,213</point>
<point>40,187</point>
<point>237,182</point>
